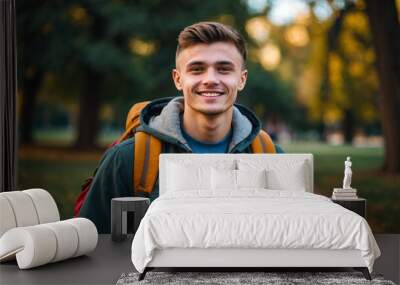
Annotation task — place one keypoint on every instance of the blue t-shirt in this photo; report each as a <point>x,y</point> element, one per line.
<point>201,147</point>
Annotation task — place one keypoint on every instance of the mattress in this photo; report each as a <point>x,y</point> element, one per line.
<point>251,219</point>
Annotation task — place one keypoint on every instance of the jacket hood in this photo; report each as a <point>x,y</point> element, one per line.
<point>161,118</point>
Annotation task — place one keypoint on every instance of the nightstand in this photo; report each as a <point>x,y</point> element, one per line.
<point>358,205</point>
<point>126,214</point>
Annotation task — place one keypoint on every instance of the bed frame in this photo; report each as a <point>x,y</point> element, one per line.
<point>248,259</point>
<point>244,259</point>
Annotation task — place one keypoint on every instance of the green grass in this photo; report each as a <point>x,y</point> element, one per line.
<point>67,137</point>
<point>64,177</point>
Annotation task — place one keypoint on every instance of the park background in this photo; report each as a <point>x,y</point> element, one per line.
<point>324,78</point>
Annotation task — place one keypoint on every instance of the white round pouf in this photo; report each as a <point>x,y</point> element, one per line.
<point>7,218</point>
<point>23,208</point>
<point>87,234</point>
<point>31,231</point>
<point>67,240</point>
<point>33,246</point>
<point>40,244</point>
<point>45,205</point>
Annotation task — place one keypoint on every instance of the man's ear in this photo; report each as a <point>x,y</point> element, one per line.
<point>243,79</point>
<point>176,76</point>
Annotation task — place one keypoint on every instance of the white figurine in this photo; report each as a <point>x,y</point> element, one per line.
<point>347,174</point>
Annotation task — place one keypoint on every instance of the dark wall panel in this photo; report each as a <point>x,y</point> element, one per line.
<point>8,83</point>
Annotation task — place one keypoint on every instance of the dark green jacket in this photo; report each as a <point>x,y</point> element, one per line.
<point>161,119</point>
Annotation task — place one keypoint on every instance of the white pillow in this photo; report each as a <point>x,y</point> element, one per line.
<point>186,174</point>
<point>202,160</point>
<point>280,175</point>
<point>292,179</point>
<point>251,178</point>
<point>223,179</point>
<point>237,179</point>
<point>183,177</point>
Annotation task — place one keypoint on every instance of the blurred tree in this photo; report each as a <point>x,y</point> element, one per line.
<point>385,27</point>
<point>45,57</point>
<point>353,78</point>
<point>331,85</point>
<point>340,62</point>
<point>34,35</point>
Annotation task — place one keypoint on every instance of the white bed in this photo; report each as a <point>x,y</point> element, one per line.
<point>198,223</point>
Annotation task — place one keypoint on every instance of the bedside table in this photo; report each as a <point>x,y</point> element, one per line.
<point>121,209</point>
<point>358,206</point>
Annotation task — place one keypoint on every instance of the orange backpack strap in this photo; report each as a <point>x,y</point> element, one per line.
<point>132,120</point>
<point>263,143</point>
<point>145,168</point>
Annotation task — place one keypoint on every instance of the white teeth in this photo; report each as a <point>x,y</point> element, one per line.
<point>210,94</point>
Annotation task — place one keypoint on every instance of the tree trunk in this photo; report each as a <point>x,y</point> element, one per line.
<point>30,89</point>
<point>348,126</point>
<point>89,109</point>
<point>385,30</point>
<point>332,43</point>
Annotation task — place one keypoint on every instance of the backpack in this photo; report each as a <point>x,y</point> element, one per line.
<point>147,151</point>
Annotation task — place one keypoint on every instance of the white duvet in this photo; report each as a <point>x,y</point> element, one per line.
<point>252,218</point>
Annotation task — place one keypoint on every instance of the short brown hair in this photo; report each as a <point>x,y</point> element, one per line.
<point>208,33</point>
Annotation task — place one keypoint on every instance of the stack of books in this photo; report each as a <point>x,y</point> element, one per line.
<point>344,194</point>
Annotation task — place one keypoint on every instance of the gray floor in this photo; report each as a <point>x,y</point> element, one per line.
<point>106,264</point>
<point>389,262</point>
<point>102,266</point>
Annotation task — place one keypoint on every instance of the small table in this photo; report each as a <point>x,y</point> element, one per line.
<point>358,206</point>
<point>120,208</point>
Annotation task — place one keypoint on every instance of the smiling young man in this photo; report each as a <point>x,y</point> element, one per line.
<point>210,71</point>
<point>210,76</point>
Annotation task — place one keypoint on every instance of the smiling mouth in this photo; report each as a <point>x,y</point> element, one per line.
<point>210,93</point>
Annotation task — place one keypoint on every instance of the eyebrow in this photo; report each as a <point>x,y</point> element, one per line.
<point>223,62</point>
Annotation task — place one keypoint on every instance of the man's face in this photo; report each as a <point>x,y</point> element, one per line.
<point>210,75</point>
